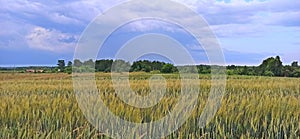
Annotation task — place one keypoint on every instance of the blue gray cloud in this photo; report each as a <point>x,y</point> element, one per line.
<point>55,26</point>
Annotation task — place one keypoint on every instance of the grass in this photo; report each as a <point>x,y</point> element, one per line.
<point>45,106</point>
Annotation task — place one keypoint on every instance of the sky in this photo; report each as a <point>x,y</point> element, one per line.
<point>41,32</point>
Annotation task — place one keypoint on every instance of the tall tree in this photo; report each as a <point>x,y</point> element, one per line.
<point>61,65</point>
<point>271,65</point>
<point>70,64</point>
<point>277,67</point>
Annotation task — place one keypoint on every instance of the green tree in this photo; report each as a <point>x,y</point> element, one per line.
<point>156,65</point>
<point>144,65</point>
<point>77,63</point>
<point>61,65</point>
<point>244,70</point>
<point>287,71</point>
<point>271,64</point>
<point>277,67</point>
<point>90,63</point>
<point>103,65</point>
<point>295,64</point>
<point>68,69</point>
<point>204,69</point>
<point>120,66</point>
<point>69,64</point>
<point>168,68</point>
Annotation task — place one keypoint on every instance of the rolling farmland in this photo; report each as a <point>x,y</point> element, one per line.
<point>45,106</point>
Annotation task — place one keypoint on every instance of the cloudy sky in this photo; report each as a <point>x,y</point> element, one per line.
<point>41,32</point>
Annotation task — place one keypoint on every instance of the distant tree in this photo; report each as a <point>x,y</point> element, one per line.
<point>120,66</point>
<point>230,72</point>
<point>244,71</point>
<point>188,69</point>
<point>168,68</point>
<point>90,63</point>
<point>277,67</point>
<point>144,65</point>
<point>295,64</point>
<point>271,64</point>
<point>294,70</point>
<point>204,69</point>
<point>77,63</point>
<point>69,64</point>
<point>61,65</point>
<point>296,73</point>
<point>156,65</point>
<point>231,67</point>
<point>103,65</point>
<point>269,67</point>
<point>68,69</point>
<point>251,71</point>
<point>287,71</point>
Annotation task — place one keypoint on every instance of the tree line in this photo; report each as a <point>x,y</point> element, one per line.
<point>108,65</point>
<point>269,67</point>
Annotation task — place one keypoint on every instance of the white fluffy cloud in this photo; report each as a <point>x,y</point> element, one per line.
<point>51,40</point>
<point>237,18</point>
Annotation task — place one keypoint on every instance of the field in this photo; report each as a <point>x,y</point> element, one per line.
<point>45,106</point>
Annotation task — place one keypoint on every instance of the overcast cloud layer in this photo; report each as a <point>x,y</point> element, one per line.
<point>248,30</point>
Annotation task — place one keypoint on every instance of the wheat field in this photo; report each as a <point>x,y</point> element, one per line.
<point>45,106</point>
